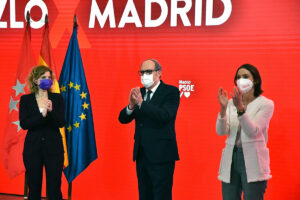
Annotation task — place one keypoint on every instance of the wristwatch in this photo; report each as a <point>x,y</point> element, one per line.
<point>240,112</point>
<point>129,107</point>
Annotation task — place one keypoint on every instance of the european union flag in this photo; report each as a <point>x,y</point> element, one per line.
<point>80,135</point>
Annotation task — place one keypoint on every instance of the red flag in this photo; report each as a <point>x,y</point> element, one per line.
<point>46,59</point>
<point>14,136</point>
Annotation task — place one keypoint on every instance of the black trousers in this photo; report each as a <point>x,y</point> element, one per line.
<point>53,163</point>
<point>155,180</point>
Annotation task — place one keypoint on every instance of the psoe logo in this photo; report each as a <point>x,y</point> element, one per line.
<point>186,88</point>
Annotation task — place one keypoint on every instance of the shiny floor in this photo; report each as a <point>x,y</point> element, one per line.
<point>12,197</point>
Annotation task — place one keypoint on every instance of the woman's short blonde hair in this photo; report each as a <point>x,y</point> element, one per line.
<point>35,74</point>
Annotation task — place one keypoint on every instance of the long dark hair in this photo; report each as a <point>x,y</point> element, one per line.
<point>256,78</point>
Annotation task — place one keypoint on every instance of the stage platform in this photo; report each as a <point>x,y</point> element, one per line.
<point>13,197</point>
<point>10,197</point>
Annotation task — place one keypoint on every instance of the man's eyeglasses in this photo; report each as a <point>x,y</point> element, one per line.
<point>148,72</point>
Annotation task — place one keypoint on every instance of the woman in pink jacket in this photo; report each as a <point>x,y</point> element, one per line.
<point>245,163</point>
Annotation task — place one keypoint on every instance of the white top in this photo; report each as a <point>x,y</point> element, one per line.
<point>254,136</point>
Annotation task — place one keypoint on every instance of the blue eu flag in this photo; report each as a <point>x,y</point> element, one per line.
<point>80,134</point>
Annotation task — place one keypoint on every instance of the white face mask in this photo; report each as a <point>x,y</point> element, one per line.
<point>244,84</point>
<point>147,80</point>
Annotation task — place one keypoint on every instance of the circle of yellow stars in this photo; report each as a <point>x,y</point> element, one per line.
<point>85,105</point>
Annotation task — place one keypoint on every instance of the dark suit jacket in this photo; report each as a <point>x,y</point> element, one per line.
<point>155,124</point>
<point>42,130</point>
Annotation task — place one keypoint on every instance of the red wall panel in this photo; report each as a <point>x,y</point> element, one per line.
<point>263,33</point>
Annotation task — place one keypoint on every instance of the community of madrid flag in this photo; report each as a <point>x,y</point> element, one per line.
<point>46,59</point>
<point>14,136</point>
<point>80,133</point>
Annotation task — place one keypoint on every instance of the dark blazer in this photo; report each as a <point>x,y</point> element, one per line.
<point>42,129</point>
<point>155,124</point>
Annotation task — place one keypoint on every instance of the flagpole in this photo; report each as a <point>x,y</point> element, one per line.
<point>46,23</point>
<point>70,184</point>
<point>75,20</point>
<point>25,177</point>
<point>87,150</point>
<point>70,191</point>
<point>26,188</point>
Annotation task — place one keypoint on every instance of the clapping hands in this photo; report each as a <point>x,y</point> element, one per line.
<point>236,98</point>
<point>223,98</point>
<point>135,98</point>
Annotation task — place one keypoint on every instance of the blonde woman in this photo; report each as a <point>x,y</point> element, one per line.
<point>42,113</point>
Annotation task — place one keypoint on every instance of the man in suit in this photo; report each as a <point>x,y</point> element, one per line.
<point>154,108</point>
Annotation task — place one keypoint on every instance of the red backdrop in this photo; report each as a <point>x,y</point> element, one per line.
<point>263,33</point>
